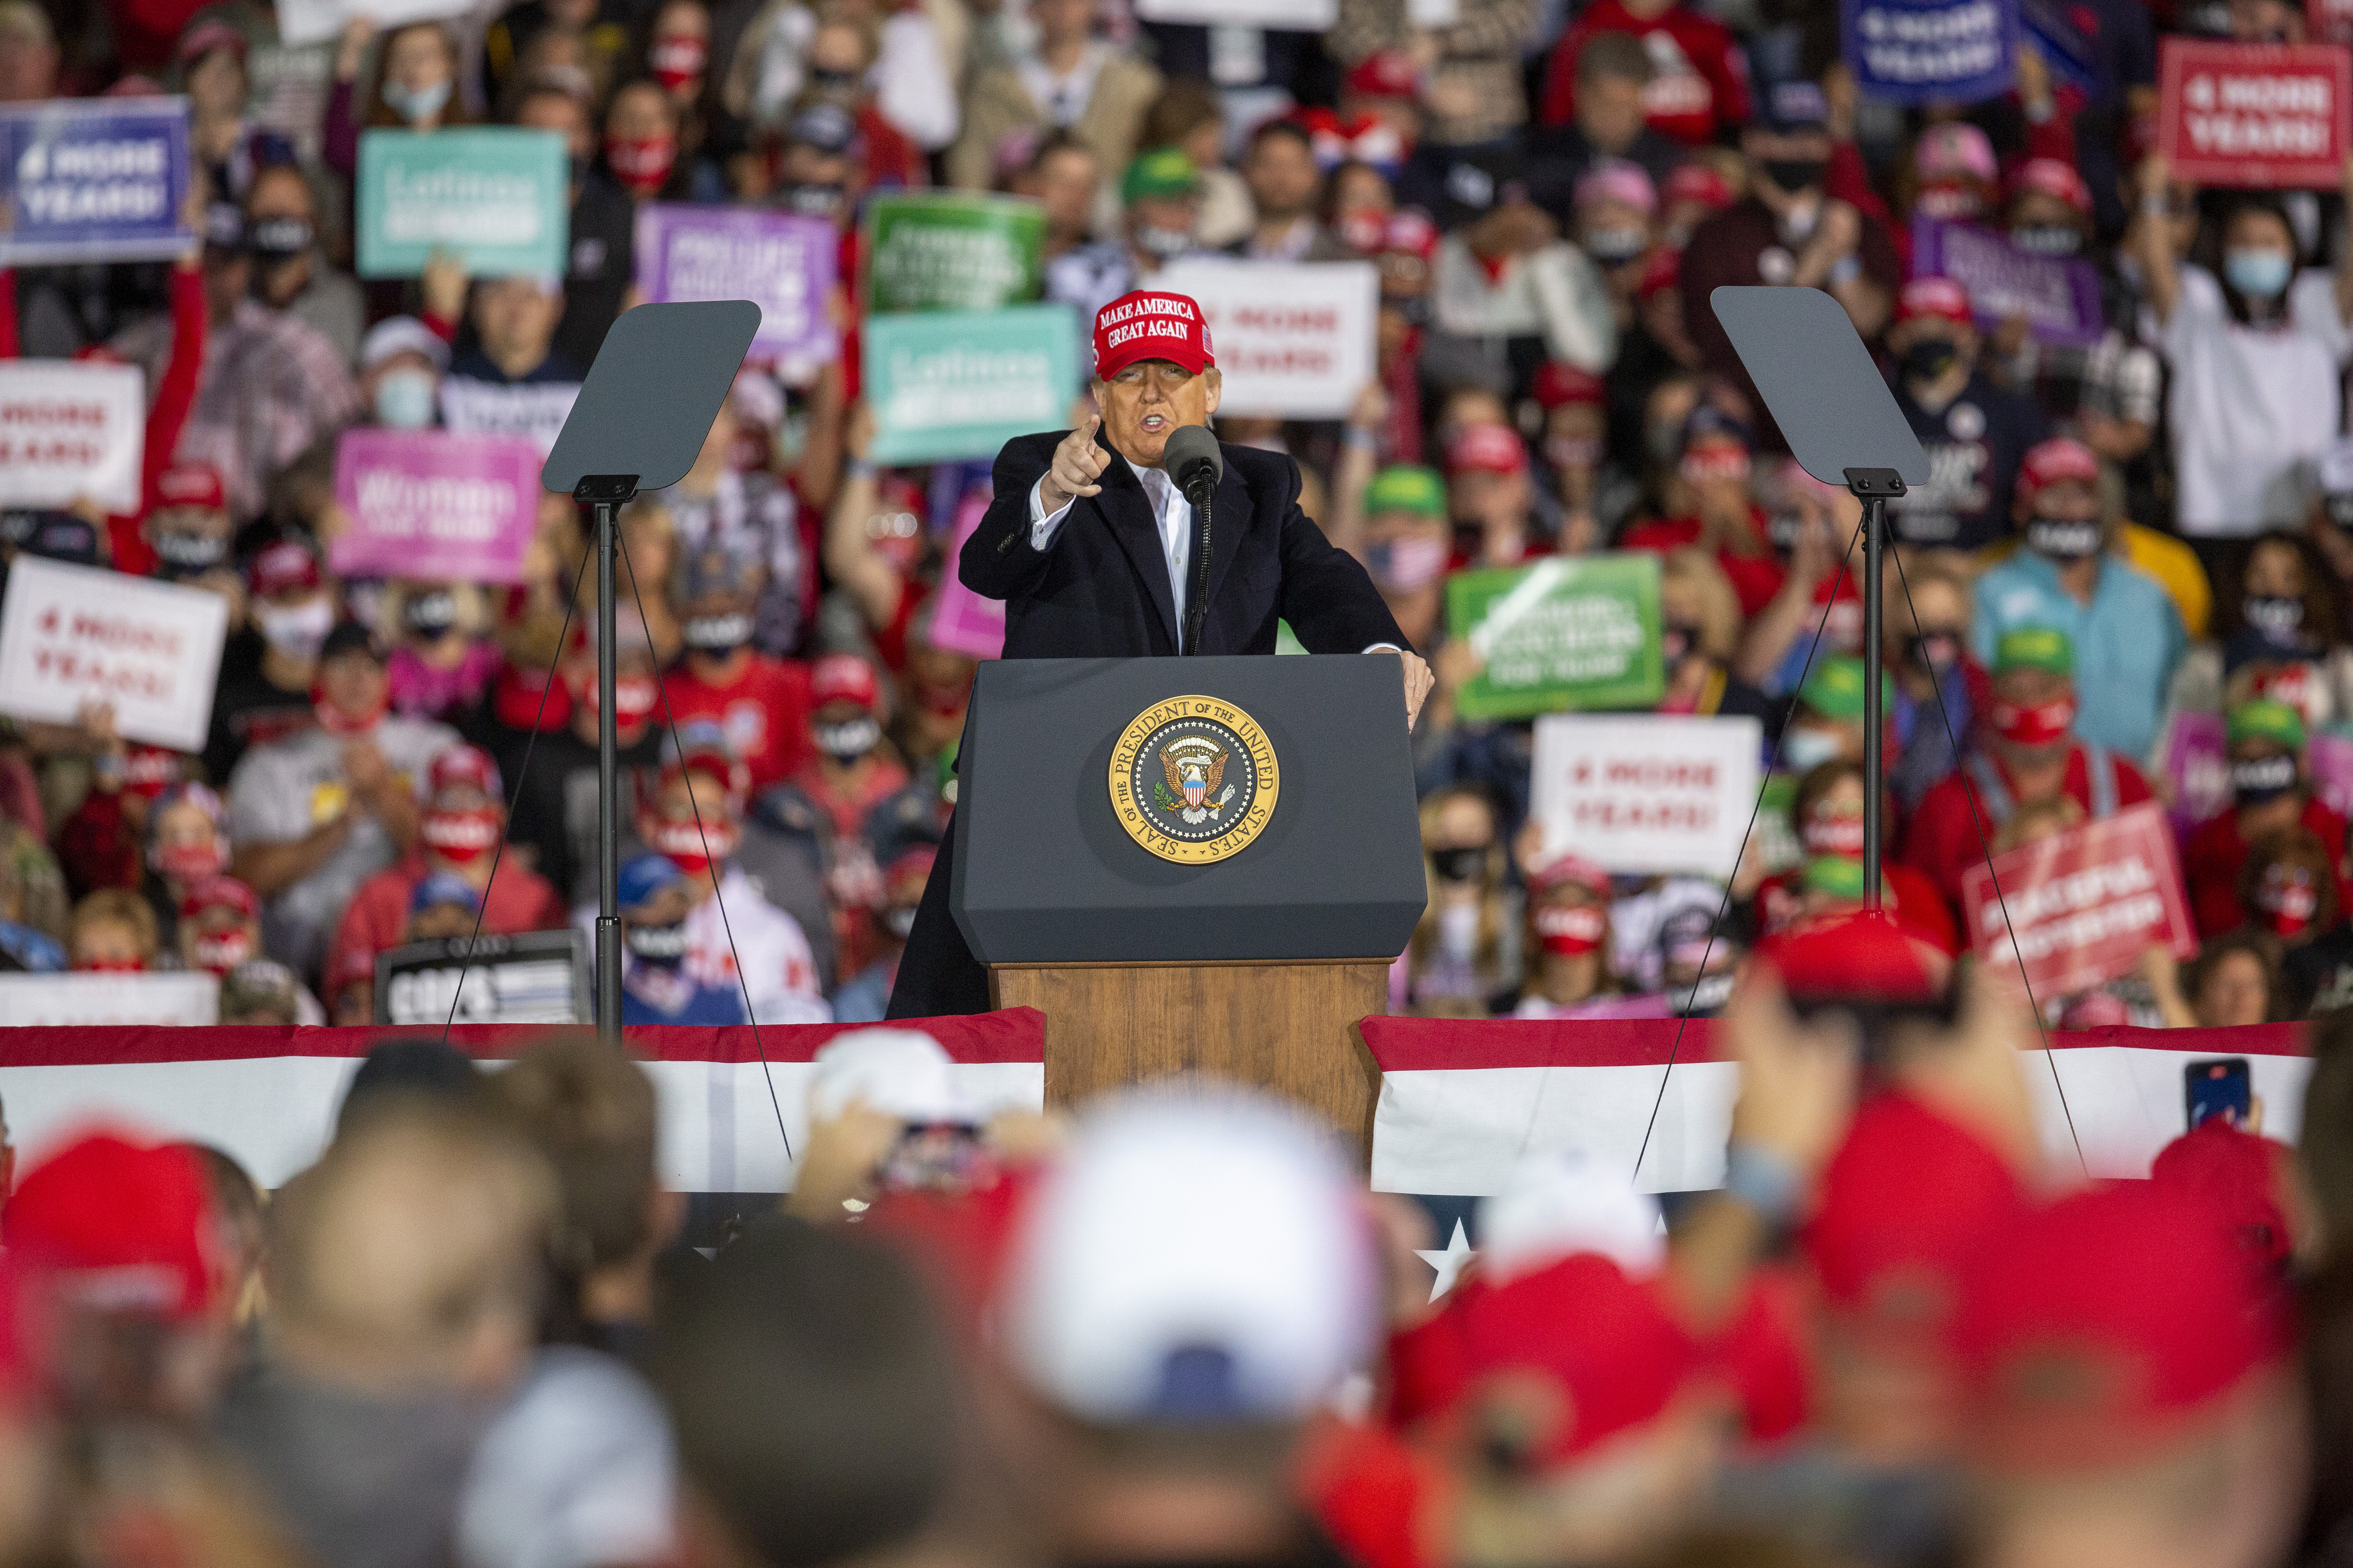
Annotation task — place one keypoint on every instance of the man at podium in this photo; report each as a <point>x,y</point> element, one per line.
<point>1096,549</point>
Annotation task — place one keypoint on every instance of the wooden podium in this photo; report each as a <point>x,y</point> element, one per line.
<point>1192,865</point>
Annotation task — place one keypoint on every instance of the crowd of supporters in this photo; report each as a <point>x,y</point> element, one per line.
<point>2116,540</point>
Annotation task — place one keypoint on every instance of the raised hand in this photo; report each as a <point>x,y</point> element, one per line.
<point>1077,463</point>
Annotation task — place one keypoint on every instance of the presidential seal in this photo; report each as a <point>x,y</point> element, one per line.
<point>1194,779</point>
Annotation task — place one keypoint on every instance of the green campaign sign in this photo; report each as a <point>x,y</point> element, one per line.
<point>952,384</point>
<point>944,251</point>
<point>499,199</point>
<point>1571,632</point>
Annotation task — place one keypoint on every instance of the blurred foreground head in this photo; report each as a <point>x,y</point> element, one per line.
<point>814,1398</point>
<point>409,1259</point>
<point>1189,1285</point>
<point>2133,1399</point>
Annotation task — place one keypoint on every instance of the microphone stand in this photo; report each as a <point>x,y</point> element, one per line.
<point>1203,484</point>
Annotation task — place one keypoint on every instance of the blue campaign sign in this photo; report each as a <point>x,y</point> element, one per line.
<point>1931,52</point>
<point>93,180</point>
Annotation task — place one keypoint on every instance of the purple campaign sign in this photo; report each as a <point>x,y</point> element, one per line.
<point>2199,764</point>
<point>428,505</point>
<point>781,262</point>
<point>2059,298</point>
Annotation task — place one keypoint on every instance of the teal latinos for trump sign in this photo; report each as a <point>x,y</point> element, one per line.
<point>954,383</point>
<point>499,200</point>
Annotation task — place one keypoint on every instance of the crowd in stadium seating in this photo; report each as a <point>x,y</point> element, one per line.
<point>2120,541</point>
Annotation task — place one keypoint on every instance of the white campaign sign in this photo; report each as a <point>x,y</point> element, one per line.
<point>72,430</point>
<point>534,412</point>
<point>74,634</point>
<point>1283,15</point>
<point>121,1000</point>
<point>311,21</point>
<point>1292,339</point>
<point>1647,793</point>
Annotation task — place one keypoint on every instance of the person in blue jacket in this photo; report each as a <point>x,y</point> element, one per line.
<point>655,986</point>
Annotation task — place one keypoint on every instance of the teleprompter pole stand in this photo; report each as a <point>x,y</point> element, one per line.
<point>1874,487</point>
<point>607,493</point>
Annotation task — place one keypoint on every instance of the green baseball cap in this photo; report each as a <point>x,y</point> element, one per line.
<point>1407,487</point>
<point>2035,647</point>
<point>2265,721</point>
<point>1835,689</point>
<point>1161,173</point>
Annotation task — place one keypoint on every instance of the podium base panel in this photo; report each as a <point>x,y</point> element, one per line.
<point>1282,1026</point>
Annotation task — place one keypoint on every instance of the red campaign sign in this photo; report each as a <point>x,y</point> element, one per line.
<point>2087,902</point>
<point>2268,116</point>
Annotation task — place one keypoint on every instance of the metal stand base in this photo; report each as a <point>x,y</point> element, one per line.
<point>1874,487</point>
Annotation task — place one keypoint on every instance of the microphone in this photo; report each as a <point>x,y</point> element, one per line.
<point>1195,460</point>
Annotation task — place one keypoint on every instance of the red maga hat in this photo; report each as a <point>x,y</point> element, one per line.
<point>844,678</point>
<point>1384,73</point>
<point>1148,324</point>
<point>1486,448</point>
<point>191,484</point>
<point>220,893</point>
<point>1939,297</point>
<point>465,765</point>
<point>2236,1175</point>
<point>284,565</point>
<point>2055,461</point>
<point>117,1225</point>
<point>1860,958</point>
<point>1558,384</point>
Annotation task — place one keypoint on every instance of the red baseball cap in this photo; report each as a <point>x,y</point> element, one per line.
<point>1904,1208</point>
<point>1565,867</point>
<point>1411,232</point>
<point>1693,181</point>
<point>1860,957</point>
<point>191,484</point>
<point>218,892</point>
<point>117,1225</point>
<point>2061,459</point>
<point>1665,270</point>
<point>844,678</point>
<point>1384,73</point>
<point>285,565</point>
<point>1148,324</point>
<point>1933,297</point>
<point>1606,1341</point>
<point>2108,1324</point>
<point>2236,1175</point>
<point>464,766</point>
<point>1487,450</point>
<point>2053,177</point>
<point>703,749</point>
<point>1558,384</point>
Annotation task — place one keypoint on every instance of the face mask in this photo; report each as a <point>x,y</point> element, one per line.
<point>692,847</point>
<point>900,922</point>
<point>2044,725</point>
<point>834,81</point>
<point>641,162</point>
<point>276,239</point>
<point>662,946</point>
<point>1794,175</point>
<point>847,742</point>
<point>1406,565</point>
<point>2278,619</point>
<point>634,697</point>
<point>2062,538</point>
<point>677,61</point>
<point>717,634</point>
<point>1717,461</point>
<point>1569,929</point>
<point>1460,864</point>
<point>1363,231</point>
<point>2258,274</point>
<point>1458,932</point>
<point>2048,239</point>
<point>1933,653</point>
<point>2287,898</point>
<point>1615,246</point>
<point>812,200</point>
<point>2258,780</point>
<point>430,615</point>
<point>1930,358</point>
<point>223,951</point>
<point>1573,451</point>
<point>415,104</point>
<point>1840,835</point>
<point>188,862</point>
<point>189,554</point>
<point>112,966</point>
<point>1676,642</point>
<point>404,399</point>
<point>1167,244</point>
<point>460,835</point>
<point>1705,998</point>
<point>1951,203</point>
<point>1802,750</point>
<point>296,631</point>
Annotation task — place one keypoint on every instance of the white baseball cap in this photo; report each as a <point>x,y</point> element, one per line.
<point>1558,1204</point>
<point>1200,1255</point>
<point>902,1073</point>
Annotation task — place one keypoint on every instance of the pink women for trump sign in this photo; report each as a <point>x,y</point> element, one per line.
<point>430,506</point>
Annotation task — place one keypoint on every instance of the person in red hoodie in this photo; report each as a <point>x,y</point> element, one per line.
<point>762,701</point>
<point>465,815</point>
<point>2030,752</point>
<point>1724,520</point>
<point>2270,792</point>
<point>1699,83</point>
